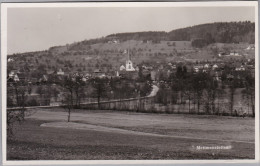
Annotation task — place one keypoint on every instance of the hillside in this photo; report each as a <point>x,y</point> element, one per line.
<point>106,53</point>
<point>232,32</point>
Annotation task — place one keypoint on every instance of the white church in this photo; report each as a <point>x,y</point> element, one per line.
<point>128,65</point>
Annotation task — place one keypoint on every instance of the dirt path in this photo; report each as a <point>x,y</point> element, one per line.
<point>154,91</point>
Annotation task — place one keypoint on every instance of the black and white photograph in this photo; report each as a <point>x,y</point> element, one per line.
<point>130,82</point>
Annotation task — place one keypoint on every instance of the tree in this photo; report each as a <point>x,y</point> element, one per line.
<point>188,91</point>
<point>232,89</point>
<point>220,91</point>
<point>20,95</point>
<point>19,114</point>
<point>79,89</point>
<point>249,92</point>
<point>146,88</point>
<point>68,84</point>
<point>161,96</point>
<point>99,86</point>
<point>180,80</point>
<point>13,117</point>
<point>210,97</point>
<point>40,90</point>
<point>198,82</point>
<point>199,43</point>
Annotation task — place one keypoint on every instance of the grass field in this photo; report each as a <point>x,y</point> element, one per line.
<point>133,136</point>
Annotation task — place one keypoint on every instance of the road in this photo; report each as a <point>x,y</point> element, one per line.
<point>154,91</point>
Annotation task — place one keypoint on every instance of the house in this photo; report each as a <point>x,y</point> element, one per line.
<point>10,60</point>
<point>11,74</point>
<point>204,71</point>
<point>230,77</point>
<point>241,68</point>
<point>221,54</point>
<point>10,79</point>
<point>60,72</point>
<point>122,67</point>
<point>116,41</point>
<point>117,74</point>
<point>234,54</point>
<point>250,48</point>
<point>21,76</point>
<point>137,68</point>
<point>149,41</point>
<point>85,78</point>
<point>215,66</point>
<point>44,78</point>
<point>196,69</point>
<point>206,66</point>
<point>99,73</point>
<point>153,75</point>
<point>49,71</point>
<point>216,76</point>
<point>16,78</point>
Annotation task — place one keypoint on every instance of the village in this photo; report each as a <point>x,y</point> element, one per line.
<point>130,83</point>
<point>45,88</point>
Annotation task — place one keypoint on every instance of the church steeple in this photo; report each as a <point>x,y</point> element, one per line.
<point>129,64</point>
<point>128,55</point>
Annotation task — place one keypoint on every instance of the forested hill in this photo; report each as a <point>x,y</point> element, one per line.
<point>222,32</point>
<point>199,35</point>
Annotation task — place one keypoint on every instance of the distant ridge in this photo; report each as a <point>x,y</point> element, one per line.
<point>218,32</point>
<point>221,32</point>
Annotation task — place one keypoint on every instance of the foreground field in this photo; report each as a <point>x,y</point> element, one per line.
<point>123,135</point>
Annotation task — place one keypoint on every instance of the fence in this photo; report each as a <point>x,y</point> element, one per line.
<point>149,105</point>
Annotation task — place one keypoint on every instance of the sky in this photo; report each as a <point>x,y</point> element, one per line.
<point>36,29</point>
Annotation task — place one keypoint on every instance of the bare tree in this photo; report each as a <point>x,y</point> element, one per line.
<point>12,118</point>
<point>232,89</point>
<point>19,114</point>
<point>79,89</point>
<point>198,86</point>
<point>68,84</point>
<point>99,86</point>
<point>249,92</point>
<point>20,94</point>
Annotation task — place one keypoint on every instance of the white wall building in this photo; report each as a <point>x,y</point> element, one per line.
<point>122,68</point>
<point>129,66</point>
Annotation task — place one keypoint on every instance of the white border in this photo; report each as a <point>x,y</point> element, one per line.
<point>4,7</point>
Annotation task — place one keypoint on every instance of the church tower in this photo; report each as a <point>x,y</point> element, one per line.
<point>129,64</point>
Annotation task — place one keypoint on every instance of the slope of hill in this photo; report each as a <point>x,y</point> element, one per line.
<point>232,32</point>
<point>145,47</point>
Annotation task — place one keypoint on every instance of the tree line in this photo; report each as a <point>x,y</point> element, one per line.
<point>204,94</point>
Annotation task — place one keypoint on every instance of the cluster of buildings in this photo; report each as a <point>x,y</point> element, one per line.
<point>129,70</point>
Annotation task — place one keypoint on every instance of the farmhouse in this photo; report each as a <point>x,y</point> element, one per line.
<point>240,68</point>
<point>215,66</point>
<point>60,72</point>
<point>10,60</point>
<point>99,73</point>
<point>122,67</point>
<point>16,78</point>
